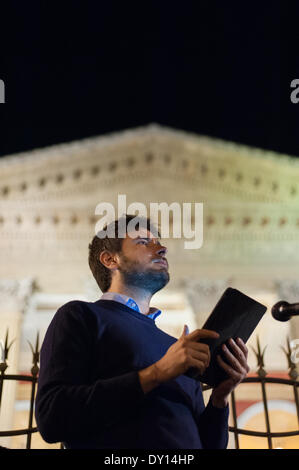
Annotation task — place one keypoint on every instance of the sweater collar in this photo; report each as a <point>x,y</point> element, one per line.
<point>124,299</point>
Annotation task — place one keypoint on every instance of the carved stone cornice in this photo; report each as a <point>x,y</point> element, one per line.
<point>203,295</point>
<point>15,294</point>
<point>287,290</point>
<point>209,166</point>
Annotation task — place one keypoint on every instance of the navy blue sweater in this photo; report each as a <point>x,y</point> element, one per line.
<point>89,393</point>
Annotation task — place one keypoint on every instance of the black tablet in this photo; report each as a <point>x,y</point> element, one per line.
<point>235,315</point>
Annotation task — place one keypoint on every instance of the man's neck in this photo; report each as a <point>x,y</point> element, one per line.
<point>141,297</point>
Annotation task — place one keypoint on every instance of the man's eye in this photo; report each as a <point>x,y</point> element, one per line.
<point>142,241</point>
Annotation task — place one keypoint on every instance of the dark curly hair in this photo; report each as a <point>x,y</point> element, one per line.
<point>102,274</point>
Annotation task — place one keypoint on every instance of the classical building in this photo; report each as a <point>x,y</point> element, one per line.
<point>250,233</point>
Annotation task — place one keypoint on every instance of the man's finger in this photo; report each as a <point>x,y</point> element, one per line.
<point>198,334</point>
<point>233,360</point>
<point>243,346</point>
<point>200,354</point>
<point>199,346</point>
<point>198,364</point>
<point>228,369</point>
<point>185,331</point>
<point>237,352</point>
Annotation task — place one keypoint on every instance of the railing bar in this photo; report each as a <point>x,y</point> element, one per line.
<point>18,432</point>
<point>266,380</point>
<point>1,386</point>
<point>231,429</point>
<point>296,401</point>
<point>271,380</point>
<point>266,414</point>
<point>235,419</point>
<point>25,378</point>
<point>264,434</point>
<point>28,444</point>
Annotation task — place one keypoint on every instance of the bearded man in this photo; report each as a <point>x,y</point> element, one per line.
<point>111,379</point>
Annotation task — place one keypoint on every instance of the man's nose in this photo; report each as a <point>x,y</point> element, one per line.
<point>162,250</point>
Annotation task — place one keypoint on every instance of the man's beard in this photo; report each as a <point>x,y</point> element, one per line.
<point>151,280</point>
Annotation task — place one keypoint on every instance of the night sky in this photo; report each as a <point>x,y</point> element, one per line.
<point>220,69</point>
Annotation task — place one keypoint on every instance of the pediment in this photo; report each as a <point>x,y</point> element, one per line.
<point>250,196</point>
<point>209,168</point>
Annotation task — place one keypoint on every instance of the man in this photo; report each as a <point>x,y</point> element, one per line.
<point>110,378</point>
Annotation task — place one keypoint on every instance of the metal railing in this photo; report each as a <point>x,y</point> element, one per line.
<point>26,378</point>
<point>261,378</point>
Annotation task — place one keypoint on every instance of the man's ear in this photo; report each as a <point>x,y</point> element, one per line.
<point>109,260</point>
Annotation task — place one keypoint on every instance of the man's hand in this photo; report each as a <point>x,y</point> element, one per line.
<point>186,352</point>
<point>237,371</point>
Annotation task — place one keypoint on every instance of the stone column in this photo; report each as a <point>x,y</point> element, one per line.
<point>203,296</point>
<point>14,296</point>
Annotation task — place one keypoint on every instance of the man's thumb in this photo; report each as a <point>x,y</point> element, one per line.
<point>185,330</point>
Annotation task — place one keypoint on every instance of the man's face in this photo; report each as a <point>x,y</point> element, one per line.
<point>142,262</point>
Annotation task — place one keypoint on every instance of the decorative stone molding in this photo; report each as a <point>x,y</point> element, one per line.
<point>15,294</point>
<point>203,295</point>
<point>288,290</point>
